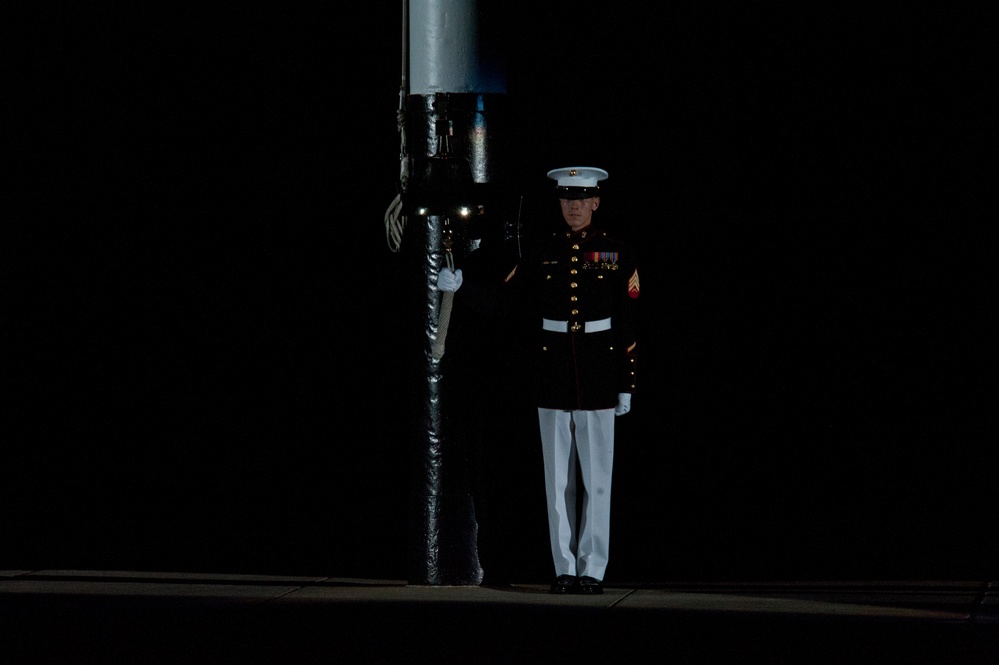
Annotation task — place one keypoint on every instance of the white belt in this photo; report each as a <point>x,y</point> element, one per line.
<point>586,326</point>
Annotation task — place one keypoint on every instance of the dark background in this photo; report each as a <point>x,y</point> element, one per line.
<point>201,348</point>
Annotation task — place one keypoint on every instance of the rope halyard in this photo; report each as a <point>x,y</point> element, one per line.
<point>395,221</point>
<point>447,298</point>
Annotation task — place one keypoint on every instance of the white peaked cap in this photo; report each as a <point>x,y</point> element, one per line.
<point>577,176</point>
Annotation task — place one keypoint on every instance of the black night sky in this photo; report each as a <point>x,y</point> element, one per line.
<point>202,346</point>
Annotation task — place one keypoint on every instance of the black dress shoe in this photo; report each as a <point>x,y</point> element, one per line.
<point>565,584</point>
<point>590,585</point>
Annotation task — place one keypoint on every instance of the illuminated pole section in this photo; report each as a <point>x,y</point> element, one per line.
<point>450,108</point>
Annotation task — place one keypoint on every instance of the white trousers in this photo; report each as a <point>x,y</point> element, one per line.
<point>580,544</point>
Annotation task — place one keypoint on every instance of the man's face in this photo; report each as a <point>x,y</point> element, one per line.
<point>578,213</point>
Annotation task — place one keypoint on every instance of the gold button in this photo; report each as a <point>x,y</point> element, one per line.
<point>573,285</point>
<point>573,271</point>
<point>574,312</point>
<point>574,298</point>
<point>574,259</point>
<point>575,246</point>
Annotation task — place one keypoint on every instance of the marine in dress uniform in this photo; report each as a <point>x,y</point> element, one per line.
<point>585,286</point>
<point>581,289</point>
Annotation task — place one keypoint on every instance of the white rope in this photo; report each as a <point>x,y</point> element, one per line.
<point>447,299</point>
<point>395,221</point>
<point>444,315</point>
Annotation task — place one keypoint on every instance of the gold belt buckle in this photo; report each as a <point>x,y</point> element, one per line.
<point>576,327</point>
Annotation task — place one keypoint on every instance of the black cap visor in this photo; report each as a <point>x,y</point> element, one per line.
<point>571,193</point>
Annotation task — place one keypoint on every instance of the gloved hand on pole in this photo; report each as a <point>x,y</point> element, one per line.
<point>449,280</point>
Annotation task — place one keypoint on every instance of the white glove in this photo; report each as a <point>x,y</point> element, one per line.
<point>623,404</point>
<point>448,280</point>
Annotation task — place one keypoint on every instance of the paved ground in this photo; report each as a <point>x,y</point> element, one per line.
<point>58,617</point>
